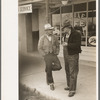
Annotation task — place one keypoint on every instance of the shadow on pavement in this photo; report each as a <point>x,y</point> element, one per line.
<point>26,93</point>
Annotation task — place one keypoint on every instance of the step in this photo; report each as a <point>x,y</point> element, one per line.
<point>89,49</point>
<point>87,63</point>
<point>88,54</point>
<point>88,58</point>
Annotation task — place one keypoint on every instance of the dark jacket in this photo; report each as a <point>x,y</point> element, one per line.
<point>74,43</point>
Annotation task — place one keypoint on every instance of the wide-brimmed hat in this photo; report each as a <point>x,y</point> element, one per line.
<point>66,24</point>
<point>48,27</point>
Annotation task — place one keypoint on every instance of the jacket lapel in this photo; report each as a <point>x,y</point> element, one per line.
<point>70,37</point>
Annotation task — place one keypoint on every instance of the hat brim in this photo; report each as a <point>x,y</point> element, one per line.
<point>51,28</point>
<point>69,26</point>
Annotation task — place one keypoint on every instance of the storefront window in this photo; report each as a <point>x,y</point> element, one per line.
<point>80,21</point>
<point>86,24</point>
<point>66,9</point>
<point>91,36</point>
<point>91,28</point>
<point>80,7</point>
<point>92,5</point>
<point>83,18</point>
<point>66,14</point>
<point>56,25</point>
<point>80,25</point>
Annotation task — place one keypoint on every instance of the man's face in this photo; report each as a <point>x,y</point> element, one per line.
<point>49,32</point>
<point>66,30</point>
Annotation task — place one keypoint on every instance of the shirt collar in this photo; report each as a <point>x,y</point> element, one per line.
<point>49,37</point>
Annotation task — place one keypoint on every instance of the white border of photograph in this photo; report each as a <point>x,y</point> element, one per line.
<point>9,50</point>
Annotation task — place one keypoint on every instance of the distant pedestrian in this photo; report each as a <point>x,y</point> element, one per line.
<point>71,50</point>
<point>48,46</point>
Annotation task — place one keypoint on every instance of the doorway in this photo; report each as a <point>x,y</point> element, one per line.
<point>35,37</point>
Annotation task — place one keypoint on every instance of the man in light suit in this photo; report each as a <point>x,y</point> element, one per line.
<point>48,46</point>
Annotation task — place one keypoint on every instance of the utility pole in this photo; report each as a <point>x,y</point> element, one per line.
<point>60,25</point>
<point>47,11</point>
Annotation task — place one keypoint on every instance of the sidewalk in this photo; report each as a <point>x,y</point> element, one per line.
<point>32,74</point>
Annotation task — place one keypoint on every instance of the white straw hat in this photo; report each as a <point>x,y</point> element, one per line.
<point>48,27</point>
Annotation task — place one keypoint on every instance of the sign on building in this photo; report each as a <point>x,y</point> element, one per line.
<point>25,9</point>
<point>80,15</point>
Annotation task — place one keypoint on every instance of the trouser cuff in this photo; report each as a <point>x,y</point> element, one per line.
<point>72,91</point>
<point>51,83</point>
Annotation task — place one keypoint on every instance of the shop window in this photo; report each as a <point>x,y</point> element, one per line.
<point>56,22</point>
<point>56,25</point>
<point>87,29</point>
<point>80,7</point>
<point>91,36</point>
<point>92,14</point>
<point>67,16</point>
<point>80,25</point>
<point>83,23</point>
<point>92,5</point>
<point>55,10</point>
<point>66,9</point>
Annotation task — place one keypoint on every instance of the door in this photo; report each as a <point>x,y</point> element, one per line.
<point>29,32</point>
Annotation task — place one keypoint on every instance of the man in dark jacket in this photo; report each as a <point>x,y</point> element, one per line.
<point>71,50</point>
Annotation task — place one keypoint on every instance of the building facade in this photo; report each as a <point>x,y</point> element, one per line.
<point>79,12</point>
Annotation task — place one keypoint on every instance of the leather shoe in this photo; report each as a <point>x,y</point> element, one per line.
<point>52,87</point>
<point>71,94</point>
<point>67,88</point>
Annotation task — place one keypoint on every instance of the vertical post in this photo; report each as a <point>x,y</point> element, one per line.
<point>73,15</point>
<point>60,25</point>
<point>92,17</point>
<point>47,11</point>
<point>87,24</point>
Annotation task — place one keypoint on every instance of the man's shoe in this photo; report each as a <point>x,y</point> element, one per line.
<point>71,94</point>
<point>52,87</point>
<point>67,88</point>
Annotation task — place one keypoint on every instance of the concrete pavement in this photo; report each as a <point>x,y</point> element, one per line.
<point>32,74</point>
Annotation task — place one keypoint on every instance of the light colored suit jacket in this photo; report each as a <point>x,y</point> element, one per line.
<point>45,46</point>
